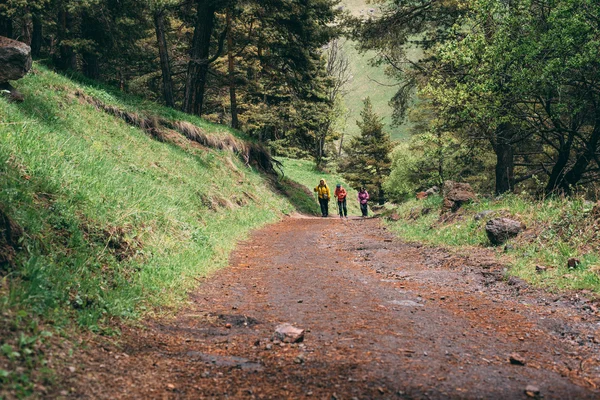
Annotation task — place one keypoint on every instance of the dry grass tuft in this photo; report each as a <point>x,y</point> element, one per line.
<point>251,153</point>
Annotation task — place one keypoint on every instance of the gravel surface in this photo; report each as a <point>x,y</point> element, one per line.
<point>381,319</point>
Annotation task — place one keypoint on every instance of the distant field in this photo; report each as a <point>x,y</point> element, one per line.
<point>368,81</point>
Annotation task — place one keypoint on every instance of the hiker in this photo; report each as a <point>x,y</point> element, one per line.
<point>323,193</point>
<point>363,197</point>
<point>340,194</point>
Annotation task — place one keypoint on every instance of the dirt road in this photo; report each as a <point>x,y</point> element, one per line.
<point>383,319</point>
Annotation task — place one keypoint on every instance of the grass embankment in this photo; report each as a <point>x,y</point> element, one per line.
<point>557,229</point>
<point>305,173</point>
<point>116,224</point>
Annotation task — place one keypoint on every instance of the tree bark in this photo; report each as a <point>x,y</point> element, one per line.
<point>6,27</point>
<point>576,172</point>
<point>26,28</point>
<point>231,72</point>
<point>380,196</point>
<point>67,59</point>
<point>559,168</point>
<point>159,25</point>
<point>36,36</point>
<point>91,65</point>
<point>505,163</point>
<point>198,65</point>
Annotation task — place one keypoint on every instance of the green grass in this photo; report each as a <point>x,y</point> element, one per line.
<point>116,224</point>
<point>369,81</point>
<point>305,173</point>
<point>557,229</point>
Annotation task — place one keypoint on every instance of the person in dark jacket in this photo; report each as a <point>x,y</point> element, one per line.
<point>363,198</point>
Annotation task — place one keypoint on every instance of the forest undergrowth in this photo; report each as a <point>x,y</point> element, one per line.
<point>557,229</point>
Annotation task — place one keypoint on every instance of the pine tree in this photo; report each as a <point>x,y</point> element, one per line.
<point>368,160</point>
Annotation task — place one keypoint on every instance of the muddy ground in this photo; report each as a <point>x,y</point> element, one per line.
<point>383,319</point>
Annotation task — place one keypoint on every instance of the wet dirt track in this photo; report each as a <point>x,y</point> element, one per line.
<point>383,319</point>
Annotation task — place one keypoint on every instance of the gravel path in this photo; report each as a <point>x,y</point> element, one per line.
<point>383,319</point>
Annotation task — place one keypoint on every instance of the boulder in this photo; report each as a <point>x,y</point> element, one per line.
<point>15,62</point>
<point>516,359</point>
<point>456,194</point>
<point>533,391</point>
<point>15,59</point>
<point>288,333</point>
<point>499,230</point>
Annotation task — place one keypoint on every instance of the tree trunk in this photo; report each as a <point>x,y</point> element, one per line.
<point>159,25</point>
<point>380,196</point>
<point>198,65</point>
<point>576,172</point>
<point>505,160</point>
<point>26,28</point>
<point>6,27</point>
<point>559,169</point>
<point>91,65</point>
<point>36,36</point>
<point>231,72</point>
<point>67,59</point>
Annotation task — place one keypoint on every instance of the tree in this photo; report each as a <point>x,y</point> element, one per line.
<point>367,162</point>
<point>159,9</point>
<point>200,58</point>
<point>337,70</point>
<point>525,76</point>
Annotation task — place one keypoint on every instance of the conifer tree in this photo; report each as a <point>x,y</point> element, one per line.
<point>368,160</point>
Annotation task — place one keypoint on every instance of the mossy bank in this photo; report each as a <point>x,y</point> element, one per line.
<point>113,223</point>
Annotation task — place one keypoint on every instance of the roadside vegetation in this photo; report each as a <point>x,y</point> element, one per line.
<point>115,224</point>
<point>558,229</point>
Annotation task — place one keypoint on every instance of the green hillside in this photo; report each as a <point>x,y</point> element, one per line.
<point>114,212</point>
<point>367,80</point>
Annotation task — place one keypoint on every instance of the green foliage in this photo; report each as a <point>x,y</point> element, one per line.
<point>557,229</point>
<point>367,162</point>
<point>403,181</point>
<point>529,71</point>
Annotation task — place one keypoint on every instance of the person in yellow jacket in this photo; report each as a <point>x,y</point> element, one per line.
<point>324,194</point>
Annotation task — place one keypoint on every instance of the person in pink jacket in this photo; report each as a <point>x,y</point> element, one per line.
<point>363,198</point>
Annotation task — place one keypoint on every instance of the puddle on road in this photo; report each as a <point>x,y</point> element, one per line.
<point>406,303</point>
<point>225,361</point>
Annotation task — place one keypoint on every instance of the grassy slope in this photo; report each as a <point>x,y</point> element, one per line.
<point>368,81</point>
<point>557,229</point>
<point>116,223</point>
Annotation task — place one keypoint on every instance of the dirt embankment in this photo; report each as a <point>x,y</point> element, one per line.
<point>383,319</point>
